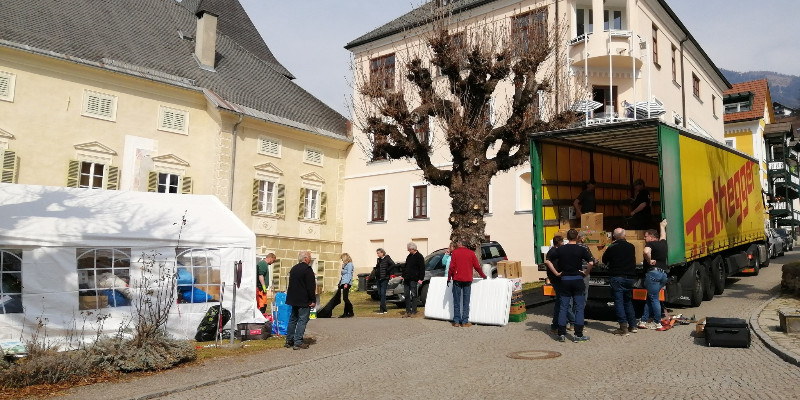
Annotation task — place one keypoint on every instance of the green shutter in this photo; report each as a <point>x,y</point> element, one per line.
<point>323,206</point>
<point>302,207</point>
<point>186,185</point>
<point>280,201</point>
<point>152,181</point>
<point>112,177</point>
<point>10,165</point>
<point>74,174</point>
<point>254,206</point>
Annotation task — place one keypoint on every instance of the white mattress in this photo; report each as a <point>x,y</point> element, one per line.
<point>490,301</point>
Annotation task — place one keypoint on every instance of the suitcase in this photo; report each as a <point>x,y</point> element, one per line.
<point>727,332</point>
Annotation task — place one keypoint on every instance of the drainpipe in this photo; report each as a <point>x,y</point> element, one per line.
<point>683,85</point>
<point>233,161</point>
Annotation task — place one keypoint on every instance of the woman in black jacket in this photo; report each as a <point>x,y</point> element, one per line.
<point>383,269</point>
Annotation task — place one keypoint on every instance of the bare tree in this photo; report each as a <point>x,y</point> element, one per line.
<point>486,85</point>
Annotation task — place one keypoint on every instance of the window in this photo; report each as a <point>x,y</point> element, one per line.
<point>674,64</point>
<point>420,202</point>
<point>714,105</point>
<point>7,81</point>
<point>313,204</point>
<point>529,30</point>
<point>695,85</point>
<point>583,17</point>
<point>99,105</point>
<point>313,156</point>
<point>738,107</point>
<point>616,20</point>
<point>91,175</point>
<point>378,205</point>
<point>378,140</point>
<point>199,275</point>
<point>269,146</point>
<point>422,129</point>
<point>268,197</point>
<point>168,182</point>
<point>655,45</point>
<point>730,143</point>
<point>103,278</point>
<point>382,71</point>
<point>172,120</point>
<point>10,281</point>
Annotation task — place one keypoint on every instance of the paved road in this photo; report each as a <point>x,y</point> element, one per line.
<point>406,358</point>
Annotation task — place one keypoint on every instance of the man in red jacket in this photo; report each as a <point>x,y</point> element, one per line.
<point>462,262</point>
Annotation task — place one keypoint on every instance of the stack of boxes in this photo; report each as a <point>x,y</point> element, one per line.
<point>513,271</point>
<point>597,239</point>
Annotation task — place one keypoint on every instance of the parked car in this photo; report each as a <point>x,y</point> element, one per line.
<point>491,253</point>
<point>788,238</point>
<point>775,243</point>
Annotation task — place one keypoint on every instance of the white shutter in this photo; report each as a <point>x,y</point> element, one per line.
<point>6,86</point>
<point>269,146</point>
<point>173,120</point>
<point>100,105</point>
<point>313,156</point>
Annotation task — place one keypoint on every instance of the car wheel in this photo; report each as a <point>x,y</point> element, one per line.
<point>423,295</point>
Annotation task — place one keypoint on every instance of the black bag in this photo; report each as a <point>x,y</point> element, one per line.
<point>727,332</point>
<point>327,311</point>
<point>210,324</point>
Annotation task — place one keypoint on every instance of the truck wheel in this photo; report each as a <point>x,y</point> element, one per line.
<point>719,274</point>
<point>756,269</point>
<point>697,290</point>
<point>708,282</point>
<point>423,295</point>
<point>772,252</point>
<point>766,262</point>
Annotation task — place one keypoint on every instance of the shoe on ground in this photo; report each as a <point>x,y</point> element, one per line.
<point>642,325</point>
<point>380,312</point>
<point>456,325</point>
<point>633,330</point>
<point>622,330</point>
<point>578,339</point>
<point>653,325</point>
<point>570,326</point>
<point>562,338</point>
<point>301,346</point>
<point>554,331</point>
<point>467,325</point>
<point>287,345</point>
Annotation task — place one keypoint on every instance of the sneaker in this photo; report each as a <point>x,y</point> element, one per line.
<point>301,346</point>
<point>579,339</point>
<point>642,325</point>
<point>467,325</point>
<point>622,330</point>
<point>653,325</point>
<point>562,338</point>
<point>380,312</point>
<point>633,330</point>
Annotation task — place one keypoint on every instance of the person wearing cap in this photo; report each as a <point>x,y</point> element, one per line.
<point>586,201</point>
<point>640,206</point>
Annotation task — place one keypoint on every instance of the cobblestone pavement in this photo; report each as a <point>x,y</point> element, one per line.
<point>767,324</point>
<point>384,358</point>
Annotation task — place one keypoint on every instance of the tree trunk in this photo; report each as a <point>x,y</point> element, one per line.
<point>468,199</point>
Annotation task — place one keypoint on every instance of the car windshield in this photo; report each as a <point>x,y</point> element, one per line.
<point>492,251</point>
<point>434,261</point>
<point>781,231</point>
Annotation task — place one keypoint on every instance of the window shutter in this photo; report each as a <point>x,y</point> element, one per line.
<point>10,164</point>
<point>186,185</point>
<point>112,177</point>
<point>280,201</point>
<point>74,174</point>
<point>152,181</point>
<point>254,205</point>
<point>323,206</point>
<point>302,207</point>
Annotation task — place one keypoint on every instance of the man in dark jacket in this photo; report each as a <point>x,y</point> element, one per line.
<point>383,272</point>
<point>620,257</point>
<point>412,276</point>
<point>301,295</point>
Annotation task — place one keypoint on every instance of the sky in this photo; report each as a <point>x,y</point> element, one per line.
<point>308,36</point>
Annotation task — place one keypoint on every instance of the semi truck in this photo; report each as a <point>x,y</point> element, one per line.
<point>709,194</point>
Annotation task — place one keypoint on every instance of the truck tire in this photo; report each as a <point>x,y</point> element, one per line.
<point>766,262</point>
<point>756,269</point>
<point>708,282</point>
<point>718,272</point>
<point>697,289</point>
<point>423,295</point>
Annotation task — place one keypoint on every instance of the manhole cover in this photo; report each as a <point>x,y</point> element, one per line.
<point>534,355</point>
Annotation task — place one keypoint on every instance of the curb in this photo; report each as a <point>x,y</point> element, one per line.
<point>774,347</point>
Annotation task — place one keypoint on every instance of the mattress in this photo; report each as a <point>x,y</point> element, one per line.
<point>490,301</point>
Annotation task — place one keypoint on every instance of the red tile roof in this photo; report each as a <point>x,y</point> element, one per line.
<point>761,100</point>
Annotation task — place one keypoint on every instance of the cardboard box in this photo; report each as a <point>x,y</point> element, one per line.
<point>509,269</point>
<point>632,234</point>
<point>592,221</point>
<point>207,275</point>
<point>597,251</point>
<point>92,302</point>
<point>596,238</point>
<point>639,245</point>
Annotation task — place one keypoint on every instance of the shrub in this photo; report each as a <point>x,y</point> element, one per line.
<point>115,354</point>
<point>47,367</point>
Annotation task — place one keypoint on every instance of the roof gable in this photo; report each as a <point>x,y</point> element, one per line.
<point>761,100</point>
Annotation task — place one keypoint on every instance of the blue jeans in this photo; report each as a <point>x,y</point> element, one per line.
<point>557,306</point>
<point>572,289</point>
<point>461,292</point>
<point>383,284</point>
<point>654,280</point>
<point>622,289</point>
<point>297,325</point>
<point>410,289</point>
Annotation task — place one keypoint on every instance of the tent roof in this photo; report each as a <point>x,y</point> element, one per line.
<point>49,216</point>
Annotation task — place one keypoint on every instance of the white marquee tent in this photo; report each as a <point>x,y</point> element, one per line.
<point>74,258</point>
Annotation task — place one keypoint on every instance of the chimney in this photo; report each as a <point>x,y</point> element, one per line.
<point>206,39</point>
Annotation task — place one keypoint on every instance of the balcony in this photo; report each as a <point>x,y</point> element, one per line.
<point>787,219</point>
<point>780,210</point>
<point>601,50</point>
